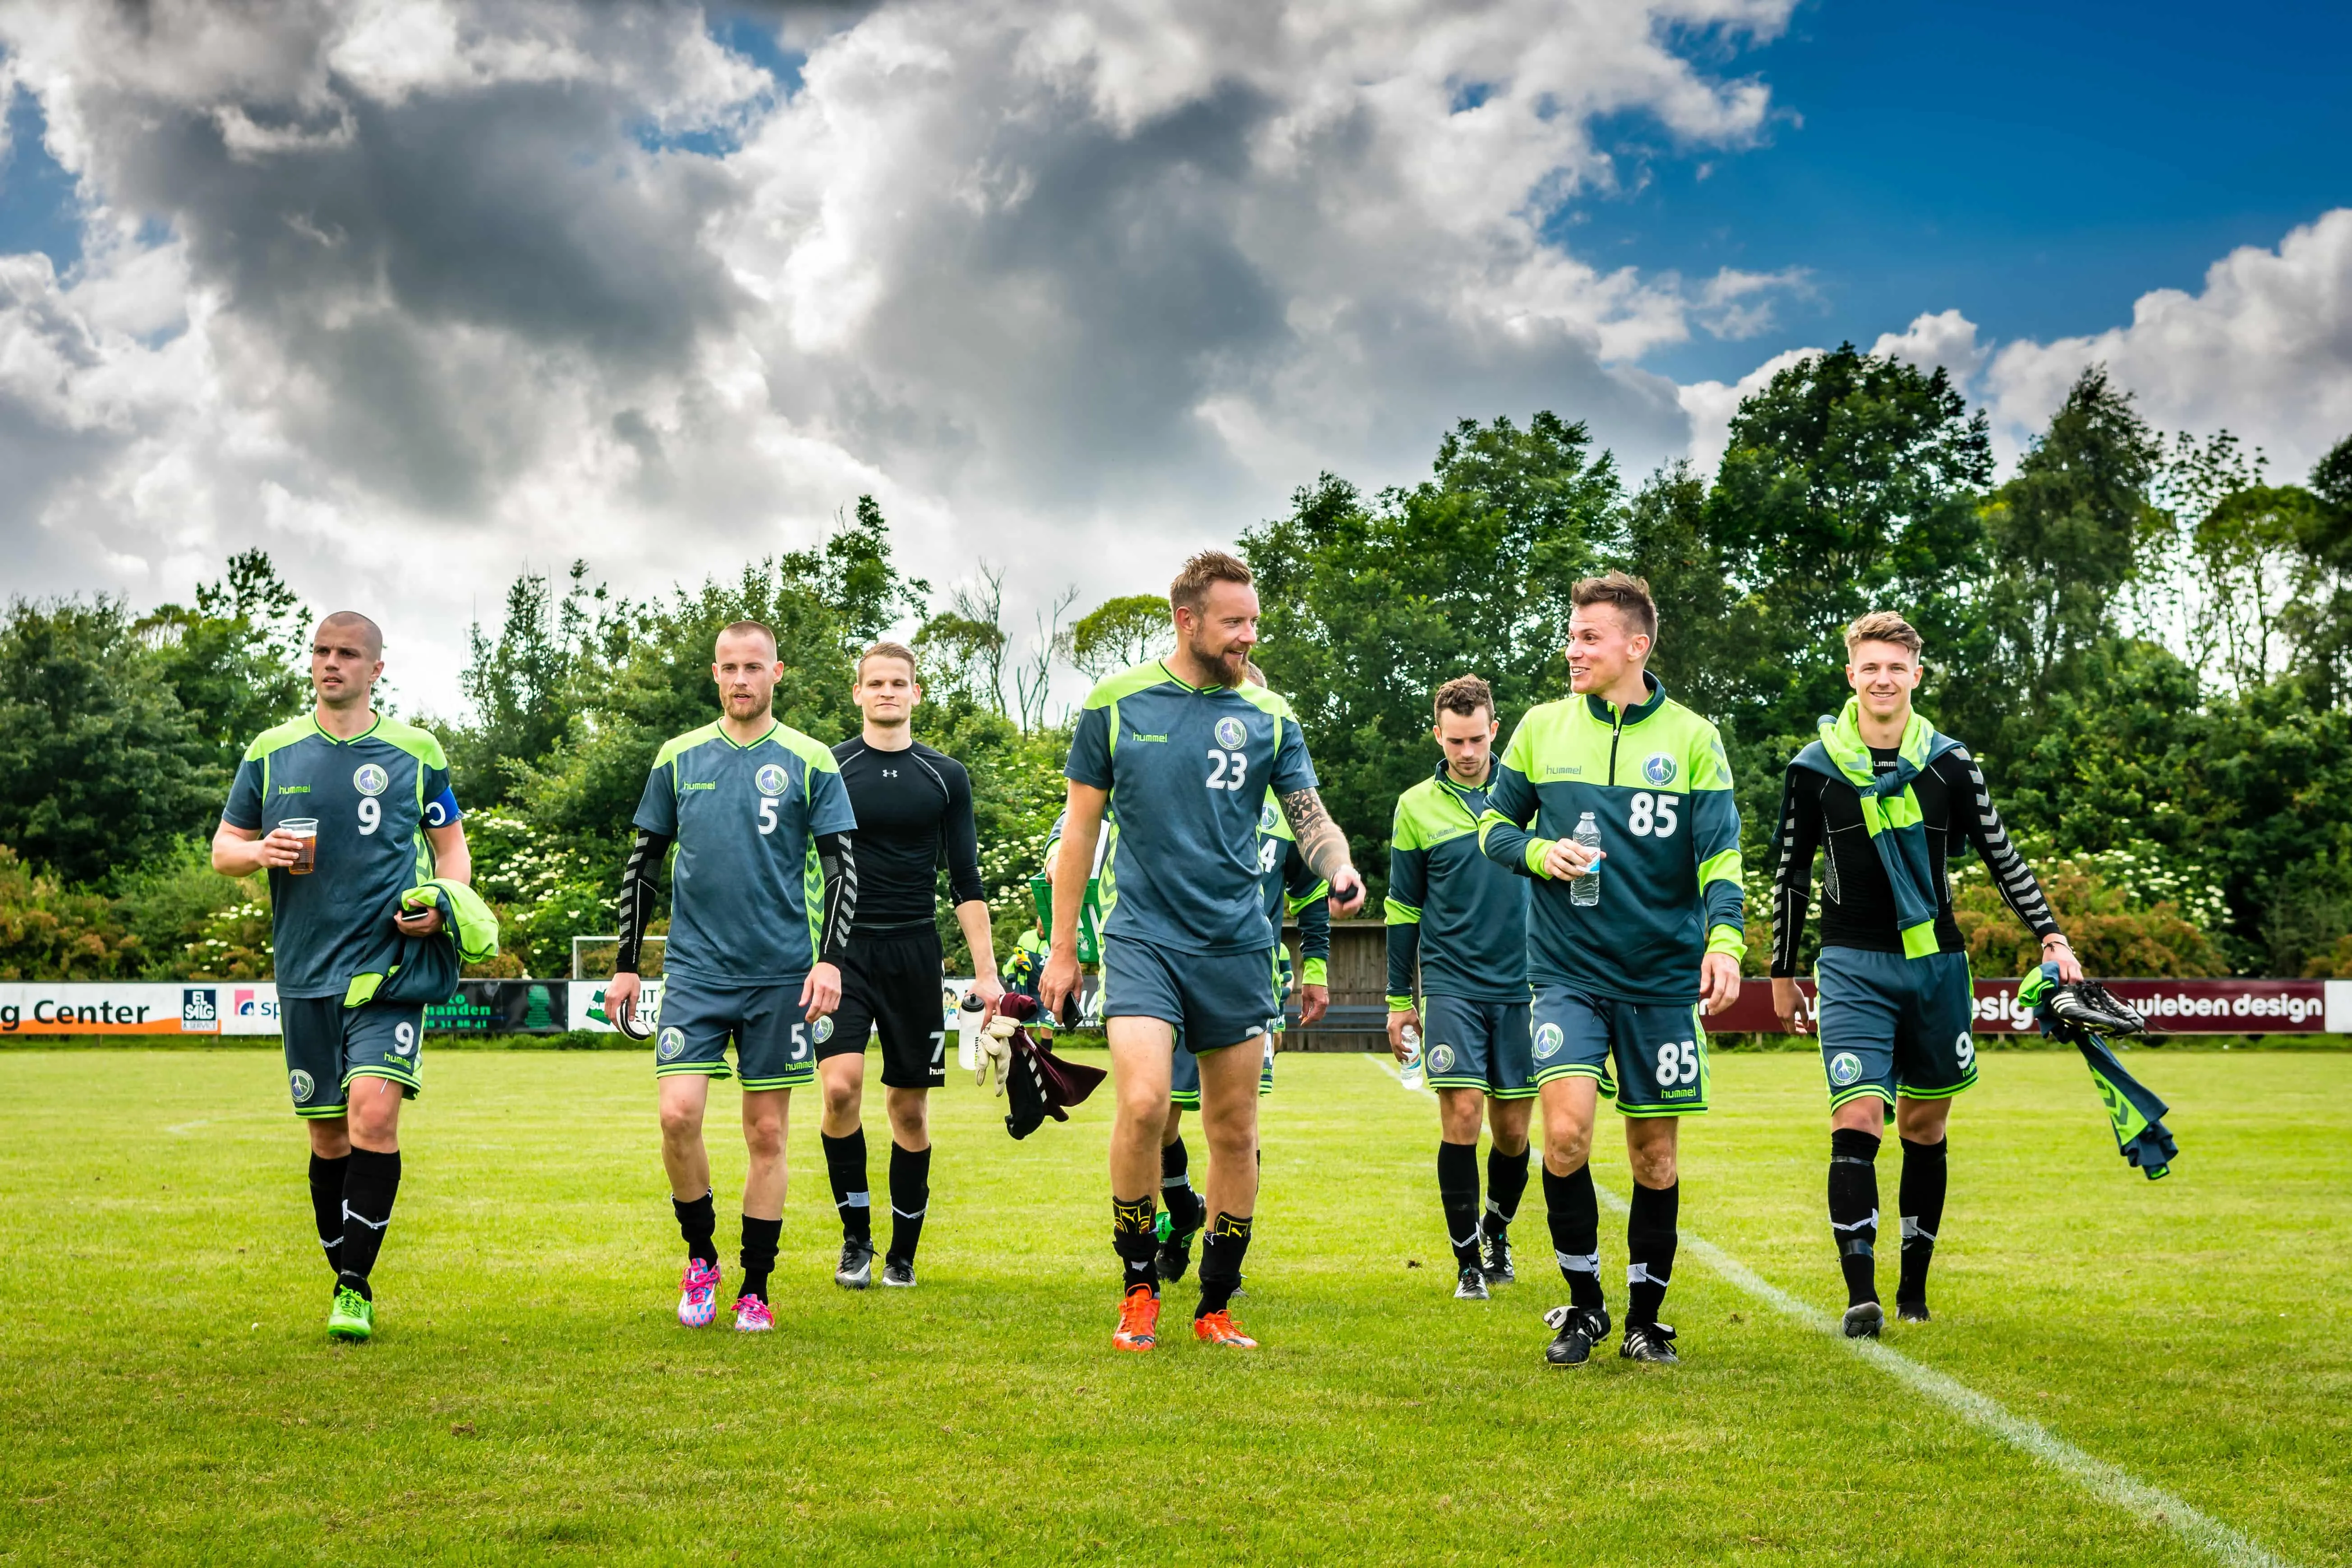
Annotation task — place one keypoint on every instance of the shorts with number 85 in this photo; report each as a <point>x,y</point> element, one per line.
<point>328,1044</point>
<point>1651,1057</point>
<point>774,1044</point>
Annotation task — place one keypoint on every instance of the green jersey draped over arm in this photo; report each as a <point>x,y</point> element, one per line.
<point>1188,768</point>
<point>1655,781</point>
<point>747,895</point>
<point>373,796</point>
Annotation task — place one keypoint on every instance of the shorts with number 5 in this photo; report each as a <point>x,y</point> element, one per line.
<point>1651,1057</point>
<point>774,1044</point>
<point>1891,1025</point>
<point>328,1044</point>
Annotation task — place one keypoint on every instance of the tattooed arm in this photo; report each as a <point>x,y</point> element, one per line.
<point>1325,849</point>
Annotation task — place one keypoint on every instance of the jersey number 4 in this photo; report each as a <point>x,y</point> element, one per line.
<point>1227,769</point>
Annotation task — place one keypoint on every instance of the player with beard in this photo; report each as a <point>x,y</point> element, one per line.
<point>763,902</point>
<point>1617,802</point>
<point>914,818</point>
<point>371,796</point>
<point>1180,752</point>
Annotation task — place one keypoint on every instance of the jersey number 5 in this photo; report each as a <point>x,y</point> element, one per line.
<point>1227,769</point>
<point>767,814</point>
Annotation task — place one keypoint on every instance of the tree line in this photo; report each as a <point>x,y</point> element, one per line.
<point>2146,640</point>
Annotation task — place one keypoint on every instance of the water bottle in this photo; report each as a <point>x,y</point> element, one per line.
<point>967,1031</point>
<point>1412,1074</point>
<point>1586,889</point>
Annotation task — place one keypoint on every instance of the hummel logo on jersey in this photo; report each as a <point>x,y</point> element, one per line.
<point>705,785</point>
<point>1139,735</point>
<point>1564,769</point>
<point>293,789</point>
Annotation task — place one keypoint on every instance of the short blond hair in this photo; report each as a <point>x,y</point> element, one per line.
<point>888,650</point>
<point>1190,589</point>
<point>1882,626</point>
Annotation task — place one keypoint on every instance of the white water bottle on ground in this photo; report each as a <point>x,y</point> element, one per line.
<point>1586,889</point>
<point>1412,1073</point>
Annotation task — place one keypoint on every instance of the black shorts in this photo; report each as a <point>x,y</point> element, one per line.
<point>891,986</point>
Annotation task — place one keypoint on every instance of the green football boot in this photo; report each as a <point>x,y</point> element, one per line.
<point>353,1318</point>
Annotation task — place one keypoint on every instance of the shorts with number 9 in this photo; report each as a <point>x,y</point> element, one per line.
<point>328,1044</point>
<point>775,1046</point>
<point>1651,1057</point>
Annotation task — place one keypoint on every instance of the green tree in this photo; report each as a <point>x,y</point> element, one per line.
<point>1119,633</point>
<point>1368,609</point>
<point>101,768</point>
<point>520,684</point>
<point>1850,483</point>
<point>238,661</point>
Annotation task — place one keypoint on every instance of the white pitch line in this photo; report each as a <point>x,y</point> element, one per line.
<point>2103,1480</point>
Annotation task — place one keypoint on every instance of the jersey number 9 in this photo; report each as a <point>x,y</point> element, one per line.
<point>1651,814</point>
<point>1227,769</point>
<point>767,814</point>
<point>371,813</point>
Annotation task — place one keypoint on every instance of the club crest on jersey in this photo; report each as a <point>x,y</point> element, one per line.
<point>1231,733</point>
<point>1659,769</point>
<point>1549,1039</point>
<point>371,779</point>
<point>769,779</point>
<point>1845,1067</point>
<point>1267,817</point>
<point>299,1082</point>
<point>1441,1059</point>
<point>672,1040</point>
<point>823,1030</point>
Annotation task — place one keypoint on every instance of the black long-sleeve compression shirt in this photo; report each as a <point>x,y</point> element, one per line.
<point>914,816</point>
<point>1818,811</point>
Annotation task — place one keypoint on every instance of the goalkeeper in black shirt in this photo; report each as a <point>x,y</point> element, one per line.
<point>1891,800</point>
<point>914,816</point>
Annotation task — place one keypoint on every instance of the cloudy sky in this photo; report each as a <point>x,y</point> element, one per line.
<point>417,293</point>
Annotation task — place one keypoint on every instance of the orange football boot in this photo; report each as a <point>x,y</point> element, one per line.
<point>1218,1328</point>
<point>1139,1321</point>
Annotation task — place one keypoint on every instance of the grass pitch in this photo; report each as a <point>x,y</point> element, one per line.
<point>170,1394</point>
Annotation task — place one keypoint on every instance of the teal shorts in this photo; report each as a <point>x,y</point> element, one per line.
<point>1213,999</point>
<point>328,1044</point>
<point>1891,1025</point>
<point>774,1044</point>
<point>1657,1050</point>
<point>1484,1045</point>
<point>1184,1075</point>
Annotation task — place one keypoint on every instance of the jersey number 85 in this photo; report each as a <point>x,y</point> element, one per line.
<point>1651,814</point>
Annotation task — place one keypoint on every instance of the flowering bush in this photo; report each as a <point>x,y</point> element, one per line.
<point>545,892</point>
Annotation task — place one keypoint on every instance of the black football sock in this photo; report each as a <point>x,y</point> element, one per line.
<point>910,1197</point>
<point>1221,1262</point>
<point>1185,1210</point>
<point>1649,1235</point>
<point>327,1177</point>
<point>760,1239</point>
<point>1506,1183</point>
<point>370,1182</point>
<point>1573,1208</point>
<point>844,1162</point>
<point>699,1223</point>
<point>1921,1197</point>
<point>1457,1189</point>
<point>1132,1237</point>
<point>1853,1210</point>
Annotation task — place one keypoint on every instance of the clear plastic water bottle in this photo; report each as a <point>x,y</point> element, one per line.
<point>1586,889</point>
<point>1412,1073</point>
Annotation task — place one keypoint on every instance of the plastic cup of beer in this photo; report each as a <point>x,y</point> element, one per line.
<point>306,858</point>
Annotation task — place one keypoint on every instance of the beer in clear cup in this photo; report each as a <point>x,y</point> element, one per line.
<point>306,858</point>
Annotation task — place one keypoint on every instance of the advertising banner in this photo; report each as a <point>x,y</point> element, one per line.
<point>161,1007</point>
<point>502,1007</point>
<point>2170,1006</point>
<point>588,1005</point>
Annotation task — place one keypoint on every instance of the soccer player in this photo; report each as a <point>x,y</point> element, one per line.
<point>1294,891</point>
<point>914,816</point>
<point>1462,920</point>
<point>762,822</point>
<point>1892,800</point>
<point>346,810</point>
<point>1634,916</point>
<point>1182,751</point>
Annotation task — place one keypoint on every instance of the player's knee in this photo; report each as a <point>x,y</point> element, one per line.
<point>1567,1147</point>
<point>841,1101</point>
<point>763,1137</point>
<point>681,1124</point>
<point>1653,1165</point>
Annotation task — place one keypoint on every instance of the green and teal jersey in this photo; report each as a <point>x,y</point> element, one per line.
<point>1461,917</point>
<point>746,897</point>
<point>1293,891</point>
<point>1188,768</point>
<point>374,797</point>
<point>1658,785</point>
